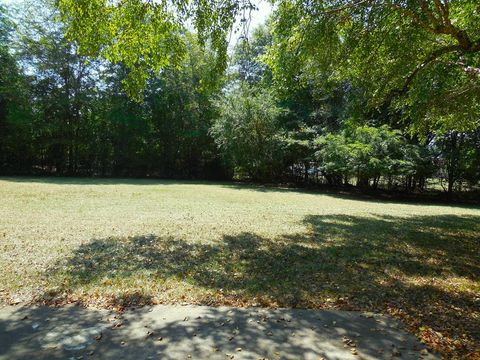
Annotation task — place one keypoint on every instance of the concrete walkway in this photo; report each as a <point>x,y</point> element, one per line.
<point>198,332</point>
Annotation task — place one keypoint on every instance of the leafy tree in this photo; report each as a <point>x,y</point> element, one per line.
<point>247,57</point>
<point>413,61</point>
<point>15,116</point>
<point>299,148</point>
<point>457,159</point>
<point>63,83</point>
<point>376,152</point>
<point>168,134</point>
<point>368,154</point>
<point>415,166</point>
<point>182,108</point>
<point>146,35</point>
<point>334,156</point>
<point>247,133</point>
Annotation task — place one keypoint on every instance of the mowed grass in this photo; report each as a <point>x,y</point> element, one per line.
<point>130,242</point>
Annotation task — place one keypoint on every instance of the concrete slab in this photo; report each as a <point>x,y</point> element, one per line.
<point>201,332</point>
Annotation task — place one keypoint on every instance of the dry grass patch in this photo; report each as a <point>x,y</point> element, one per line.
<point>126,242</point>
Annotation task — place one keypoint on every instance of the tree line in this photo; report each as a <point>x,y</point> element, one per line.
<point>287,108</point>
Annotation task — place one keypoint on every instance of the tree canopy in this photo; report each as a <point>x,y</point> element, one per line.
<point>146,35</point>
<point>415,62</point>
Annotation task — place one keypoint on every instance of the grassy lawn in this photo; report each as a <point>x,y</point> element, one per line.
<point>128,242</point>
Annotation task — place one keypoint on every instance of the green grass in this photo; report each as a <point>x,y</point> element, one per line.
<point>124,242</point>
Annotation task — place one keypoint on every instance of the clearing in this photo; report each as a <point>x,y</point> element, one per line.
<point>118,243</point>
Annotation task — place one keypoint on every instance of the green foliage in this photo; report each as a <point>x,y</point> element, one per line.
<point>367,154</point>
<point>166,135</point>
<point>138,34</point>
<point>247,132</point>
<point>181,102</point>
<point>82,122</point>
<point>335,157</point>
<point>147,35</point>
<point>247,57</point>
<point>15,115</point>
<point>415,63</point>
<point>458,158</point>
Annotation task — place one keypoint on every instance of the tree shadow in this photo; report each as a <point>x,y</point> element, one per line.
<point>200,333</point>
<point>424,269</point>
<point>22,328</point>
<point>348,193</point>
<point>65,180</point>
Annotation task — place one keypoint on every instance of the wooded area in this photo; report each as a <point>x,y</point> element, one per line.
<point>351,93</point>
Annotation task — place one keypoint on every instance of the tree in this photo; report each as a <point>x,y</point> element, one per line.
<point>15,115</point>
<point>458,158</point>
<point>409,61</point>
<point>368,154</point>
<point>247,133</point>
<point>247,57</point>
<point>181,102</point>
<point>63,83</point>
<point>145,35</point>
<point>334,156</point>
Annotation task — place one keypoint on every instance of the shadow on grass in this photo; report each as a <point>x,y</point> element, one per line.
<point>64,180</point>
<point>472,201</point>
<point>424,269</point>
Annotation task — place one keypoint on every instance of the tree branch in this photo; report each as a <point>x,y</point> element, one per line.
<point>354,4</point>
<point>409,79</point>
<point>441,11</point>
<point>471,70</point>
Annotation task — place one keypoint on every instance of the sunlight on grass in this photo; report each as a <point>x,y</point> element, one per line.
<point>123,242</point>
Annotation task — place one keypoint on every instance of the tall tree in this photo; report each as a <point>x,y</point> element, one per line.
<point>247,133</point>
<point>416,61</point>
<point>146,35</point>
<point>15,114</point>
<point>62,83</point>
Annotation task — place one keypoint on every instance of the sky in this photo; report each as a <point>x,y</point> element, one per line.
<point>264,10</point>
<point>257,17</point>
